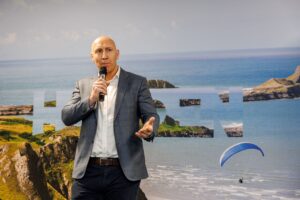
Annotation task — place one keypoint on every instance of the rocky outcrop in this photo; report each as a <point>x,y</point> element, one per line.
<point>26,168</point>
<point>158,104</point>
<point>5,163</point>
<point>189,102</point>
<point>170,121</point>
<point>234,131</point>
<point>191,131</point>
<point>159,84</point>
<point>60,150</point>
<point>275,88</point>
<point>16,110</point>
<point>295,77</point>
<point>224,97</point>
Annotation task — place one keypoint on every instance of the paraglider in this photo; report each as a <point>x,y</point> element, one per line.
<point>241,180</point>
<point>236,148</point>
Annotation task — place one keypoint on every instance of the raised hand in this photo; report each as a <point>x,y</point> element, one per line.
<point>147,129</point>
<point>99,85</point>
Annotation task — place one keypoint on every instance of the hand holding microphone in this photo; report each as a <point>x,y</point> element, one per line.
<point>102,75</point>
<point>99,88</point>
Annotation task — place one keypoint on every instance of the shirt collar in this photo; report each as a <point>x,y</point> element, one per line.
<point>117,75</point>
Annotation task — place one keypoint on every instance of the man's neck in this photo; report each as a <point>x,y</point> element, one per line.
<point>110,76</point>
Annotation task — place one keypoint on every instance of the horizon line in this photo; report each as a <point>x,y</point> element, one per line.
<point>209,54</point>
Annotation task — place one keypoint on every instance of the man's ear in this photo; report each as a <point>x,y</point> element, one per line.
<point>118,54</point>
<point>92,58</point>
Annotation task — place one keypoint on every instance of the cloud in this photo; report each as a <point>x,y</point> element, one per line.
<point>133,30</point>
<point>90,33</point>
<point>25,4</point>
<point>174,24</point>
<point>158,33</point>
<point>42,37</point>
<point>10,38</point>
<point>35,35</point>
<point>38,36</point>
<point>71,35</point>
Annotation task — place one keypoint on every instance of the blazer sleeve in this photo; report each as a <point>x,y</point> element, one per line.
<point>76,109</point>
<point>147,108</point>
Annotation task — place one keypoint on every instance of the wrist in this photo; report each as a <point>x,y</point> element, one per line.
<point>92,102</point>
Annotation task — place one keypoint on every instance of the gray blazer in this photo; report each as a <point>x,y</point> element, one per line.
<point>133,102</point>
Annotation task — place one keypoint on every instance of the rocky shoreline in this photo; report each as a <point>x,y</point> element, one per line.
<point>160,84</point>
<point>190,131</point>
<point>234,131</point>
<point>158,104</point>
<point>189,102</point>
<point>224,96</point>
<point>16,110</point>
<point>275,88</point>
<point>171,128</point>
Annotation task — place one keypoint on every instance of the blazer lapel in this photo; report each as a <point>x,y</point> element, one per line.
<point>122,86</point>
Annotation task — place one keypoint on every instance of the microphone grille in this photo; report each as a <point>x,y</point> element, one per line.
<point>103,70</point>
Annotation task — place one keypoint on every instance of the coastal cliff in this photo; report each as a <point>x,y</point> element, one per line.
<point>22,175</point>
<point>275,88</point>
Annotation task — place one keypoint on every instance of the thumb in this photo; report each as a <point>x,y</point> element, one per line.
<point>151,120</point>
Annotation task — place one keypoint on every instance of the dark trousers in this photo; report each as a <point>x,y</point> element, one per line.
<point>104,183</point>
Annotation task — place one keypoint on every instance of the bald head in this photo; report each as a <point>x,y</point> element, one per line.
<point>102,39</point>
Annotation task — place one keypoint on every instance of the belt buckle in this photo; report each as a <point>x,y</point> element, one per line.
<point>105,161</point>
<point>102,161</point>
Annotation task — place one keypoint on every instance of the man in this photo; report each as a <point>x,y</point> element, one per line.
<point>109,161</point>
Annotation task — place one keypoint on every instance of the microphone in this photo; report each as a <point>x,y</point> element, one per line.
<point>102,74</point>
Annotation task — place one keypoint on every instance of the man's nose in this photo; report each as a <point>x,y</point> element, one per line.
<point>104,55</point>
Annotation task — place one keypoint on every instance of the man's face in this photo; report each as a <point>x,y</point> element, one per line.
<point>105,53</point>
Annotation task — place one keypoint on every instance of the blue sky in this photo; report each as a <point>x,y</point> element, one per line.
<point>65,28</point>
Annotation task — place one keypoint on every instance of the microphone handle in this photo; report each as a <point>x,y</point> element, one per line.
<point>101,95</point>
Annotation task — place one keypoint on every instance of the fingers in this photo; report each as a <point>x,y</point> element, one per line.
<point>99,89</point>
<point>99,86</point>
<point>147,129</point>
<point>143,134</point>
<point>151,121</point>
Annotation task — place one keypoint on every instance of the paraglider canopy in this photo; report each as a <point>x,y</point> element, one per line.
<point>236,148</point>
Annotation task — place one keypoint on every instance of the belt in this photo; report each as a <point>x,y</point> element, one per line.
<point>104,161</point>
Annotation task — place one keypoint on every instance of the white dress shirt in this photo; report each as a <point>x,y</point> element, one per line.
<point>104,142</point>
